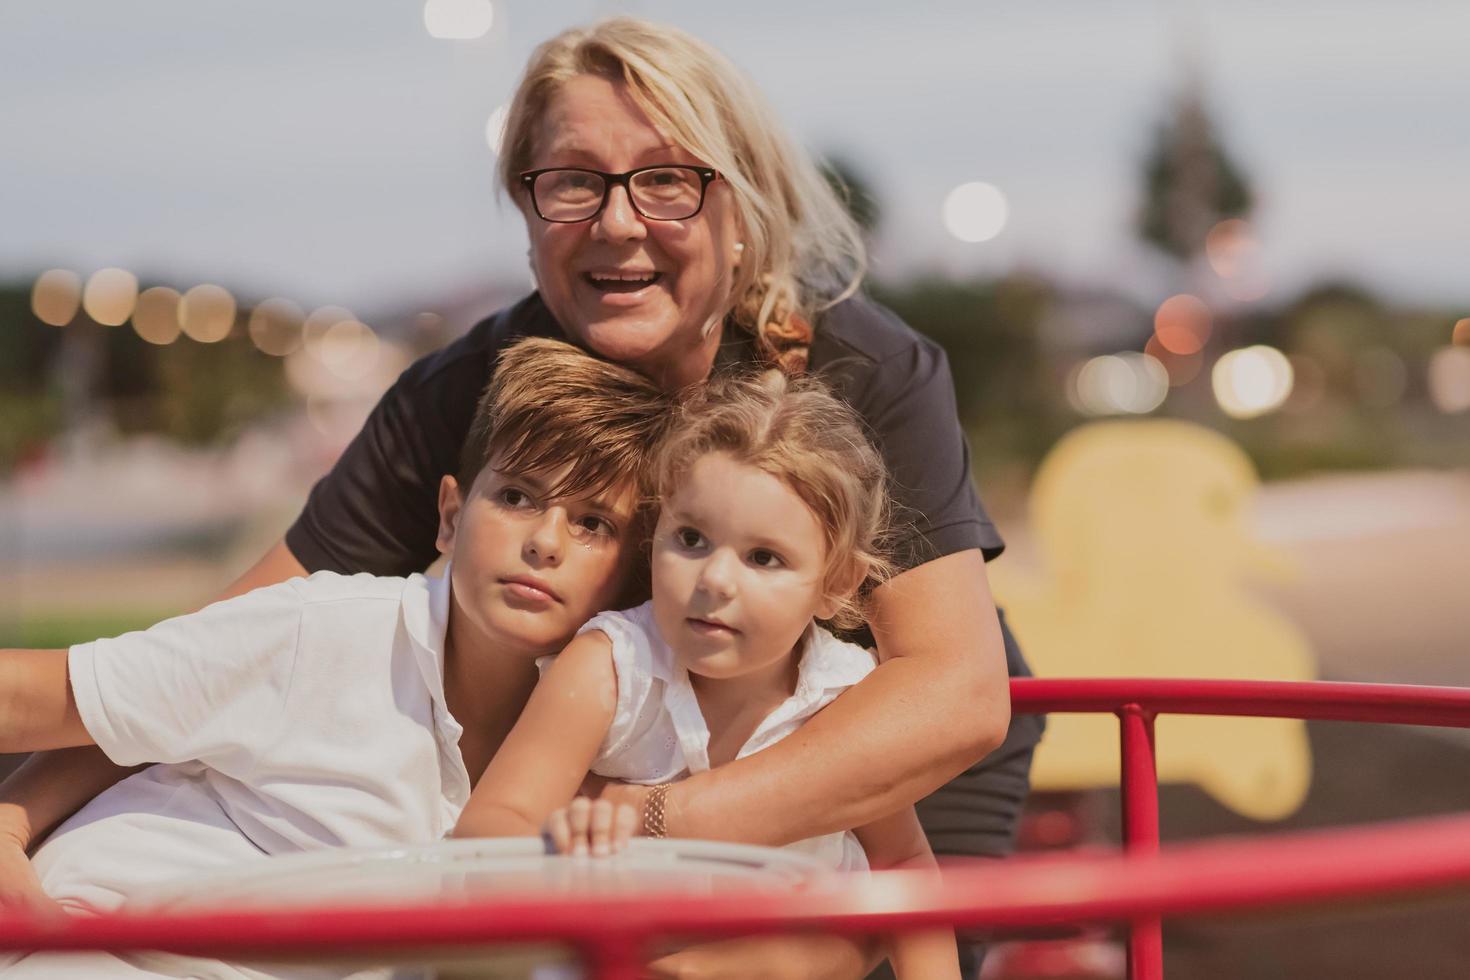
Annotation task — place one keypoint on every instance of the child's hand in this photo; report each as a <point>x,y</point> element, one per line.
<point>20,889</point>
<point>596,827</point>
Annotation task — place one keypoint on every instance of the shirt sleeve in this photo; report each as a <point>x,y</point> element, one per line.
<point>910,409</point>
<point>209,686</point>
<point>633,665</point>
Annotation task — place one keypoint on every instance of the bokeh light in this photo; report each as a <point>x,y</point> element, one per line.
<point>349,349</point>
<point>275,326</point>
<point>1120,384</point>
<point>207,313</point>
<point>975,212</point>
<point>322,319</point>
<point>1252,381</point>
<point>495,128</point>
<point>1231,248</point>
<point>1182,368</point>
<point>156,315</point>
<point>1461,334</point>
<point>458,20</point>
<point>110,295</point>
<point>1449,379</point>
<point>56,297</point>
<point>1183,324</point>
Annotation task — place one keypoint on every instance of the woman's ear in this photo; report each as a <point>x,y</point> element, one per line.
<point>451,501</point>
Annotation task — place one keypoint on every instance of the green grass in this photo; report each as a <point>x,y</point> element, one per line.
<point>56,630</point>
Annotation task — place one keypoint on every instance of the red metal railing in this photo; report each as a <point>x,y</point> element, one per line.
<point>1137,702</point>
<point>1137,886</point>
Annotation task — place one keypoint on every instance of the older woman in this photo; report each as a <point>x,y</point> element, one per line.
<point>675,229</point>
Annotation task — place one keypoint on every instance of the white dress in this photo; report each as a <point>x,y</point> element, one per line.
<point>658,733</point>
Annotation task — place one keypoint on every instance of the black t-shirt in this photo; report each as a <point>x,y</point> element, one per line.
<point>376,511</point>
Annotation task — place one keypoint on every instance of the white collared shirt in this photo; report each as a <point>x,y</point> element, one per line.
<point>658,732</point>
<point>301,716</point>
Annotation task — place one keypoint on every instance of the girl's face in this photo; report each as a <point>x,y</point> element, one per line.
<point>636,291</point>
<point>739,565</point>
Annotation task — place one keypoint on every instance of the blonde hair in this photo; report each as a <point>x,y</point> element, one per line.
<point>803,251</point>
<point>552,406</point>
<point>796,430</point>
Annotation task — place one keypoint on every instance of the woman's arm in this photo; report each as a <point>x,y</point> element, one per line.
<point>937,703</point>
<point>276,565</point>
<point>542,761</point>
<point>897,843</point>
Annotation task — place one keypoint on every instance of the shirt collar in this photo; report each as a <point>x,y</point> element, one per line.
<point>426,621</point>
<point>426,618</point>
<point>827,665</point>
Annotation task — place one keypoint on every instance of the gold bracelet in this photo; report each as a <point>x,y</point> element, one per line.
<point>655,818</point>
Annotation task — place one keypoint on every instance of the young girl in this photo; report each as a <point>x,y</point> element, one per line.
<point>773,504</point>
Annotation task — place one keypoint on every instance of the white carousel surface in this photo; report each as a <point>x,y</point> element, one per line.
<point>461,869</point>
<point>458,870</point>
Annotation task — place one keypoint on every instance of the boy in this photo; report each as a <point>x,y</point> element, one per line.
<point>353,711</point>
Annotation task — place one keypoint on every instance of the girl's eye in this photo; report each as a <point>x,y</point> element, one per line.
<point>765,559</point>
<point>688,537</point>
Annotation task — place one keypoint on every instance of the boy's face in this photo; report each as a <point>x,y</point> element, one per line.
<point>528,568</point>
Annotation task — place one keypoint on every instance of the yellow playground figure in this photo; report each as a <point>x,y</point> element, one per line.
<point>1144,534</point>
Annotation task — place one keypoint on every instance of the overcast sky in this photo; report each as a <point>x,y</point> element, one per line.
<point>331,151</point>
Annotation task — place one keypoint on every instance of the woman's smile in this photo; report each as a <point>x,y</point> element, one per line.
<point>623,288</point>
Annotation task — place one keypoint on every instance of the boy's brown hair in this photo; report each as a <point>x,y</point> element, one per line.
<point>551,405</point>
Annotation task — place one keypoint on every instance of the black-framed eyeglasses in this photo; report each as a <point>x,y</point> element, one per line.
<point>671,192</point>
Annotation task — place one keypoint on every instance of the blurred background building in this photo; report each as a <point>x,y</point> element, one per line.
<point>224,231</point>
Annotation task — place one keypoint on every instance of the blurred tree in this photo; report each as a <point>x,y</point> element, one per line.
<point>1330,324</point>
<point>30,409</point>
<point>209,392</point>
<point>1190,182</point>
<point>26,344</point>
<point>989,329</point>
<point>190,392</point>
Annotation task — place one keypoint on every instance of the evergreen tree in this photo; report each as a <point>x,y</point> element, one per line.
<point>1190,182</point>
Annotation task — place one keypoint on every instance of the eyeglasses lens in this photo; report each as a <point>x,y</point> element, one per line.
<point>663,194</point>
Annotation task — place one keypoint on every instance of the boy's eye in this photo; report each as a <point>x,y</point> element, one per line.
<point>765,559</point>
<point>688,537</point>
<point>592,524</point>
<point>515,497</point>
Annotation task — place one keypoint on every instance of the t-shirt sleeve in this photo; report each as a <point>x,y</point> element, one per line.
<point>633,663</point>
<point>910,410</point>
<point>376,510</point>
<point>208,686</point>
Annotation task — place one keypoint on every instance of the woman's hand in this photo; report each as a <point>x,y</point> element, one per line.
<point>597,827</point>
